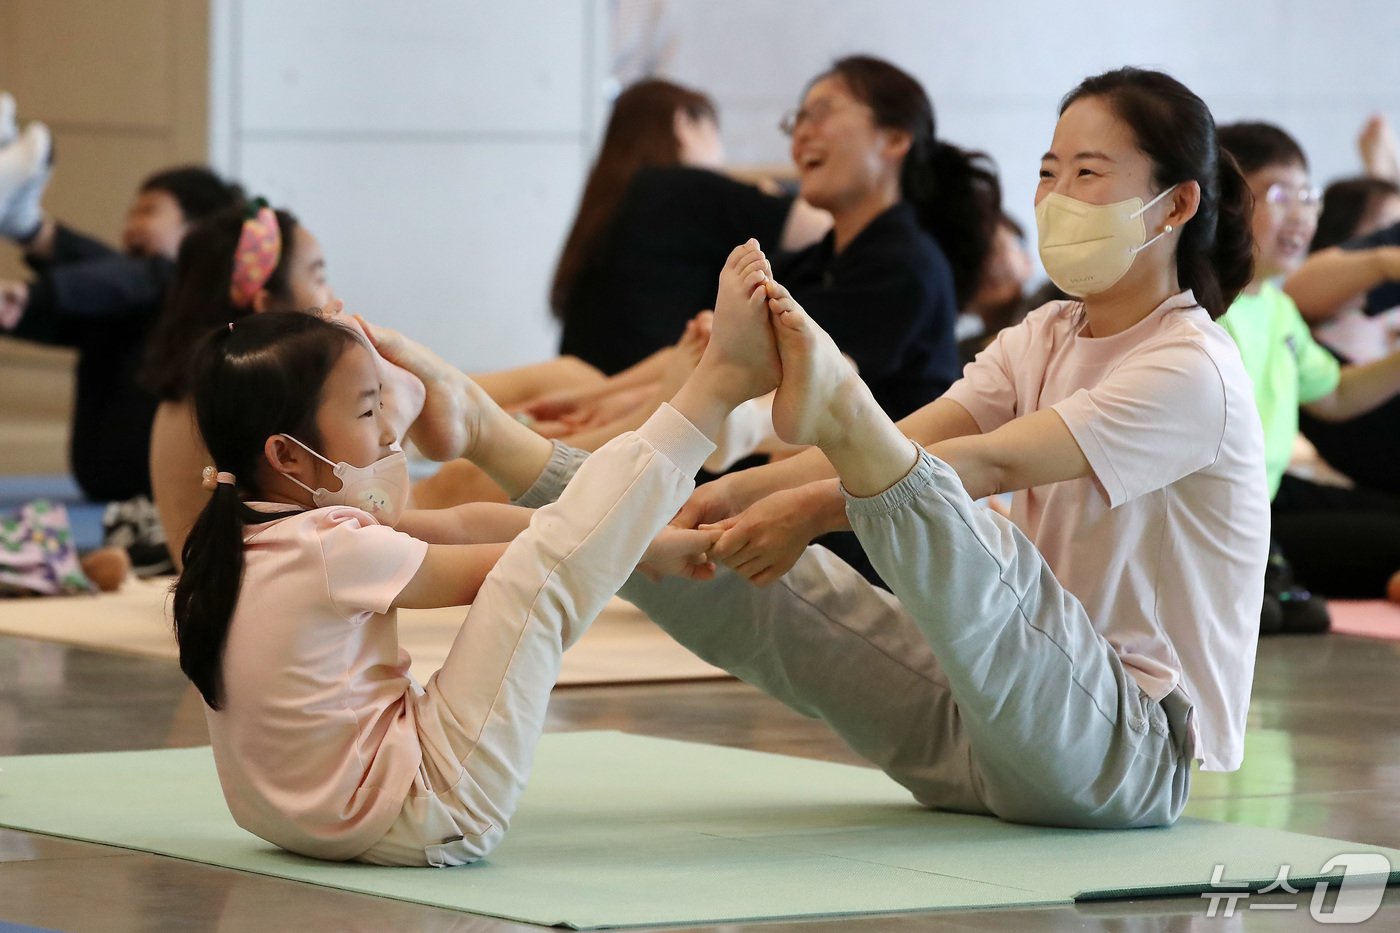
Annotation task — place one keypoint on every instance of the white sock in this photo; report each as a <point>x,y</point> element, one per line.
<point>8,130</point>
<point>24,174</point>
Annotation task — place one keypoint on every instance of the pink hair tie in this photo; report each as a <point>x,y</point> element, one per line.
<point>259,250</point>
<point>213,479</point>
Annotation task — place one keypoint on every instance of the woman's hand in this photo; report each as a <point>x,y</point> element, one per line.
<point>14,298</point>
<point>766,539</point>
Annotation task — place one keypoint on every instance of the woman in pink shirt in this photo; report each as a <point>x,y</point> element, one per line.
<point>1064,666</point>
<point>325,745</point>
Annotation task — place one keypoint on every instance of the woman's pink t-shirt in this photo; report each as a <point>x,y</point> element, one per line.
<point>1165,544</point>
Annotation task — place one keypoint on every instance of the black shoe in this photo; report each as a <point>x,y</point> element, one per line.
<point>134,526</point>
<point>1297,611</point>
<point>1271,616</point>
<point>1303,612</point>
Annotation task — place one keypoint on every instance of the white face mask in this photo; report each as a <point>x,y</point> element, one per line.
<point>1087,248</point>
<point>381,489</point>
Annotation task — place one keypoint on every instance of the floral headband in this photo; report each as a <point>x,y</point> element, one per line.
<point>259,250</point>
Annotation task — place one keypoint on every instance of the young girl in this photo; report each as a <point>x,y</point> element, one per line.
<point>1065,666</point>
<point>284,613</point>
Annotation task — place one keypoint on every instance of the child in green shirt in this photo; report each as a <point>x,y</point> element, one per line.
<point>1342,542</point>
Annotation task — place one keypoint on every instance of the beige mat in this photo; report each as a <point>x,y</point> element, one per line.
<point>623,645</point>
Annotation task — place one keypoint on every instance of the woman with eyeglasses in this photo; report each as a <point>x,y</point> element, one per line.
<point>1341,542</point>
<point>913,222</point>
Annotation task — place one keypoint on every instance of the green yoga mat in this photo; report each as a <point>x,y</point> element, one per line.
<point>618,830</point>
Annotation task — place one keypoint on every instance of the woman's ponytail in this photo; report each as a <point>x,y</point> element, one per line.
<point>955,194</point>
<point>957,197</point>
<point>1232,257</point>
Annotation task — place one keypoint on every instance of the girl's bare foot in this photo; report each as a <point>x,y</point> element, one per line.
<point>741,353</point>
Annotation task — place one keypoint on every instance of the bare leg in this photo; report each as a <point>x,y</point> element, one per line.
<point>511,387</point>
<point>457,482</point>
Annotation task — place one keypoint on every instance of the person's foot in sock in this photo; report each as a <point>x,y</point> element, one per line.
<point>25,166</point>
<point>8,129</point>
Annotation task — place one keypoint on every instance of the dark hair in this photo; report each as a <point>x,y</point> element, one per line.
<point>641,132</point>
<point>1175,130</point>
<point>197,190</point>
<point>1345,204</point>
<point>198,298</point>
<point>250,382</point>
<point>955,194</point>
<point>1258,146</point>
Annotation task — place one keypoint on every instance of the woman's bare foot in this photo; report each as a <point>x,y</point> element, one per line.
<point>821,394</point>
<point>450,424</point>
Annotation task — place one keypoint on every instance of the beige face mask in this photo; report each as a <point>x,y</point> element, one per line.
<point>1087,248</point>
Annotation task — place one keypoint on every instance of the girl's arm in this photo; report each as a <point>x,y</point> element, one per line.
<point>472,523</point>
<point>1332,279</point>
<point>450,575</point>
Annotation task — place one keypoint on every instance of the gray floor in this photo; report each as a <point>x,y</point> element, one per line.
<point>1324,758</point>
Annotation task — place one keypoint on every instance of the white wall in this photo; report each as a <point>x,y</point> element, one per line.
<point>997,69</point>
<point>436,148</point>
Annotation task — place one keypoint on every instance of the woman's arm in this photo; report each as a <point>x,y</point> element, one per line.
<point>1334,279</point>
<point>1034,450</point>
<point>805,225</point>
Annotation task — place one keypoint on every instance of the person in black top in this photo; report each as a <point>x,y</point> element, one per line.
<point>102,302</point>
<point>913,222</point>
<point>654,226</point>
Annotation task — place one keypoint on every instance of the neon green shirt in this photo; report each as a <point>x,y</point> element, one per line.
<point>1287,366</point>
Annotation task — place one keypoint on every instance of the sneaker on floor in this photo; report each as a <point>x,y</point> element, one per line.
<point>134,526</point>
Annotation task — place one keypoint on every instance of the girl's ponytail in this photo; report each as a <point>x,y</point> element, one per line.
<point>207,591</point>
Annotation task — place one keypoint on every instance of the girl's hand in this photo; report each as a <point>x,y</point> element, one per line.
<point>679,552</point>
<point>712,503</point>
<point>766,539</point>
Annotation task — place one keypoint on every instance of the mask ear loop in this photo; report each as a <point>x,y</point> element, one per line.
<point>312,453</point>
<point>1139,212</point>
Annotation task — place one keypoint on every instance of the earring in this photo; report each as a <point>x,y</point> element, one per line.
<point>1167,228</point>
